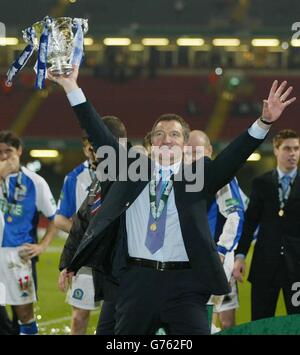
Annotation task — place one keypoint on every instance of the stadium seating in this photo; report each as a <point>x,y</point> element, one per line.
<point>139,102</point>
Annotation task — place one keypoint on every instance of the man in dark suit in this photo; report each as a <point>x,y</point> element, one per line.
<point>274,207</point>
<point>169,262</point>
<point>102,288</point>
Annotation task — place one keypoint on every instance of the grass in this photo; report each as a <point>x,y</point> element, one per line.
<point>54,314</point>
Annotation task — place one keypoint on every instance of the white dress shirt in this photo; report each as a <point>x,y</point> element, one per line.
<point>292,173</point>
<point>137,217</point>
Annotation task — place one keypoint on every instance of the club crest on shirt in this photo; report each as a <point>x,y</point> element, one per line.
<point>78,294</point>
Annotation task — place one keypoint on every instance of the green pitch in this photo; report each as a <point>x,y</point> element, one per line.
<point>54,314</point>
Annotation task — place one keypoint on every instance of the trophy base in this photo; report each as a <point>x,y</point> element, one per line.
<point>60,68</point>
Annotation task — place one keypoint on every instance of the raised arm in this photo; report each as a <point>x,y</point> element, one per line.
<point>88,117</point>
<point>221,170</point>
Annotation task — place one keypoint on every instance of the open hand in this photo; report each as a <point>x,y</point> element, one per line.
<point>64,280</point>
<point>277,101</point>
<point>32,250</point>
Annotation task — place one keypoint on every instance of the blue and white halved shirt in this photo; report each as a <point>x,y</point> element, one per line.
<point>226,217</point>
<point>19,212</point>
<point>74,191</point>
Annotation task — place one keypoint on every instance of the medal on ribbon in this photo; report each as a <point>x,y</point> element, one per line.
<point>283,197</point>
<point>153,227</point>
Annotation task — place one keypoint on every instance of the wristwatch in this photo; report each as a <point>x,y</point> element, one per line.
<point>265,121</point>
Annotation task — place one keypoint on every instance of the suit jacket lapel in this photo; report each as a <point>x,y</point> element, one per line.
<point>295,187</point>
<point>274,186</point>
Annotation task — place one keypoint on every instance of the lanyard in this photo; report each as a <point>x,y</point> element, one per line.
<point>157,208</point>
<point>283,197</point>
<point>92,172</point>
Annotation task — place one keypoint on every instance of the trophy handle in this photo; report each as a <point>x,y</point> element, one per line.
<point>83,22</point>
<point>29,36</point>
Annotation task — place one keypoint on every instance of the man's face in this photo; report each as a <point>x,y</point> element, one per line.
<point>89,152</point>
<point>287,154</point>
<point>169,139</point>
<point>11,155</point>
<point>192,153</point>
<point>8,151</point>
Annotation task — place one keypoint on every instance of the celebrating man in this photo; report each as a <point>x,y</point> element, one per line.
<point>164,256</point>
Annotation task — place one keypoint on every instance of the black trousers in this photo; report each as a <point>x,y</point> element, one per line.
<point>107,319</point>
<point>150,299</point>
<point>264,295</point>
<point>6,326</point>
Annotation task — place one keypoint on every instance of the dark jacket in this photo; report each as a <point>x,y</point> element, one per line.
<point>278,237</point>
<point>6,326</point>
<point>105,287</point>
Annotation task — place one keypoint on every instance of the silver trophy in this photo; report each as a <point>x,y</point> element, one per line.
<point>60,41</point>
